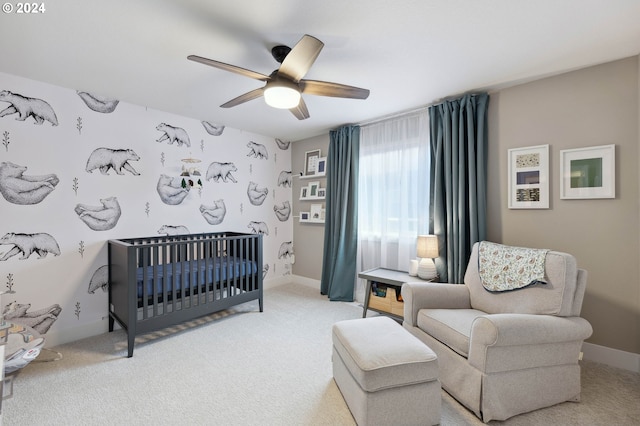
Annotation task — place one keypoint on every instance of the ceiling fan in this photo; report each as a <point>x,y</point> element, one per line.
<point>285,85</point>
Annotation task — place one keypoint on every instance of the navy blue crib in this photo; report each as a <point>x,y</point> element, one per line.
<point>157,282</point>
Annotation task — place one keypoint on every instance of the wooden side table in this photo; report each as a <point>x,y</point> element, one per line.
<point>391,304</point>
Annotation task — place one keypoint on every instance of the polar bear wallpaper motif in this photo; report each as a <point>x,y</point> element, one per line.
<point>27,244</point>
<point>102,217</point>
<point>173,230</point>
<point>98,103</point>
<point>218,171</point>
<point>83,168</point>
<point>106,159</point>
<point>99,279</point>
<point>18,188</point>
<point>256,194</point>
<point>213,129</point>
<point>170,190</point>
<point>257,150</point>
<point>173,134</point>
<point>26,107</point>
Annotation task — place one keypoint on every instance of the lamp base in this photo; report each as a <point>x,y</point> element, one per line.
<point>427,269</point>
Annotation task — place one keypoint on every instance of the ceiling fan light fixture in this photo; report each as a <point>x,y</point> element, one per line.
<point>282,94</point>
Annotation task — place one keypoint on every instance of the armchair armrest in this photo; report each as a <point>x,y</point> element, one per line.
<point>500,340</point>
<point>421,295</point>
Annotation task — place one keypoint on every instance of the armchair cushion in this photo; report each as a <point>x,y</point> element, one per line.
<point>450,326</point>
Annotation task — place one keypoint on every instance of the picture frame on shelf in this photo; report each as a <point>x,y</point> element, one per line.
<point>311,162</point>
<point>528,180</point>
<point>588,173</point>
<point>304,191</point>
<point>322,192</point>
<point>304,216</point>
<point>316,212</point>
<point>313,189</point>
<point>321,167</point>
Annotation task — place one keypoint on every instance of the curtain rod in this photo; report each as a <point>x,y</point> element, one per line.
<point>406,112</point>
<point>390,116</point>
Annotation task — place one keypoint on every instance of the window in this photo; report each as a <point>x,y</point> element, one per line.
<point>393,190</point>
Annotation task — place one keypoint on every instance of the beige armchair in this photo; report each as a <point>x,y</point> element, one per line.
<point>504,353</point>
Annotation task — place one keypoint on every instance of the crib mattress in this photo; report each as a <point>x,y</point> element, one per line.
<point>192,273</point>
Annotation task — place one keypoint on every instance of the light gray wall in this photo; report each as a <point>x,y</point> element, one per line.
<point>308,238</point>
<point>589,107</point>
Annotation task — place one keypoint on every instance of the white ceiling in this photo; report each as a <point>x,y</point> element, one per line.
<point>409,53</point>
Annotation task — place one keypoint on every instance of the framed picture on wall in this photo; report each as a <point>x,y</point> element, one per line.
<point>321,167</point>
<point>313,189</point>
<point>311,162</point>
<point>588,172</point>
<point>316,212</point>
<point>528,181</point>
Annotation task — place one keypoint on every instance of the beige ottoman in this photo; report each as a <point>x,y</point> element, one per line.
<point>386,375</point>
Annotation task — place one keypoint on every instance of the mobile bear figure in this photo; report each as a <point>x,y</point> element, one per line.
<point>173,134</point>
<point>27,107</point>
<point>116,159</point>
<point>27,244</point>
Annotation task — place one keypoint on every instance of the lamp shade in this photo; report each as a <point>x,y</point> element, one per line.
<point>427,246</point>
<point>281,94</point>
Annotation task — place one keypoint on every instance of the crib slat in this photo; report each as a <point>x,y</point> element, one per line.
<point>143,253</point>
<point>174,275</point>
<point>194,274</point>
<point>154,292</point>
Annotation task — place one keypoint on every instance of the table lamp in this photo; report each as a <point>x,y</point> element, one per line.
<point>427,250</point>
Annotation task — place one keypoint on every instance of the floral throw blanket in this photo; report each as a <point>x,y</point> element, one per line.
<point>505,268</point>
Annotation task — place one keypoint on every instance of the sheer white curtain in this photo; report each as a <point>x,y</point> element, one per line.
<point>393,192</point>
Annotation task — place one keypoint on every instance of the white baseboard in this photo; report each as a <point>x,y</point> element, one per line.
<point>309,282</point>
<point>274,282</point>
<point>613,357</point>
<point>56,338</point>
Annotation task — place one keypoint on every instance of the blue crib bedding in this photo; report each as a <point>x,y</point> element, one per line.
<point>203,272</point>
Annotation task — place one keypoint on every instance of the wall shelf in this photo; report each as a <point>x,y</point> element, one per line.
<point>314,169</point>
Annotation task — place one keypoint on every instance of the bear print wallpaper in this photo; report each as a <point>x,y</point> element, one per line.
<point>78,169</point>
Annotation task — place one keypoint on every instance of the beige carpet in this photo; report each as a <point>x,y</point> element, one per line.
<point>243,367</point>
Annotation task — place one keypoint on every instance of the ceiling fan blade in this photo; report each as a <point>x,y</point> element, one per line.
<point>336,90</point>
<point>227,67</point>
<point>301,57</point>
<point>249,96</point>
<point>301,112</point>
